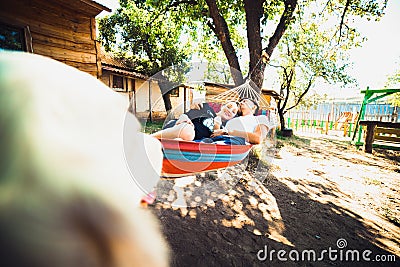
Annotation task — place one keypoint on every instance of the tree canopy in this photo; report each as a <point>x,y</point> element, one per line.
<point>154,32</point>
<point>150,39</point>
<point>264,23</point>
<point>393,81</point>
<point>310,51</point>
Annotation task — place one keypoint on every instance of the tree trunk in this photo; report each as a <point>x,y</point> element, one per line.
<point>282,120</point>
<point>281,116</point>
<point>165,88</point>
<point>254,11</point>
<point>283,102</point>
<point>167,102</point>
<point>220,28</point>
<point>290,6</point>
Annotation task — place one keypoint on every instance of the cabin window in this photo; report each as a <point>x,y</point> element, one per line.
<point>14,37</point>
<point>118,83</point>
<point>174,92</point>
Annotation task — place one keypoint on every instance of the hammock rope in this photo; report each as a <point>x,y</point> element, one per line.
<point>246,90</point>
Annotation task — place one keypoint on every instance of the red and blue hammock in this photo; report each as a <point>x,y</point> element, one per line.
<point>188,157</point>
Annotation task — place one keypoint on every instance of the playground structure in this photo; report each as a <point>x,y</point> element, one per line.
<point>323,123</point>
<point>378,133</point>
<point>341,118</point>
<point>345,122</point>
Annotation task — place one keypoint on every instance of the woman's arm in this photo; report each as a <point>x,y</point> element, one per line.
<point>255,137</point>
<point>217,123</point>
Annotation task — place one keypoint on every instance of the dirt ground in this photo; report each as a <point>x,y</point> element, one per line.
<point>317,200</point>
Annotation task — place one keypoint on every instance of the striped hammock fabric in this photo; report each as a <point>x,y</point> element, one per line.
<point>187,157</point>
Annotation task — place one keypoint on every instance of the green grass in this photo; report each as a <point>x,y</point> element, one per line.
<point>151,127</point>
<point>371,181</point>
<point>390,215</point>
<point>294,140</point>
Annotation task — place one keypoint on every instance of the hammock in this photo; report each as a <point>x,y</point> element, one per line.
<point>188,157</point>
<point>246,90</point>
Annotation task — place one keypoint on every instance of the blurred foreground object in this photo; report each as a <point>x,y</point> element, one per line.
<point>67,195</point>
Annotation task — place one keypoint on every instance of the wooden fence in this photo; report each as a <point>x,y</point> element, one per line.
<point>319,124</point>
<point>336,117</point>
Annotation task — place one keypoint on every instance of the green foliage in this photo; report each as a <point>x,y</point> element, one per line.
<point>160,33</point>
<point>316,46</point>
<point>150,39</point>
<point>152,127</point>
<point>195,17</point>
<point>394,82</point>
<point>395,99</point>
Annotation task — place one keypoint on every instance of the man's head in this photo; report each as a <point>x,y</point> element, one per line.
<point>248,106</point>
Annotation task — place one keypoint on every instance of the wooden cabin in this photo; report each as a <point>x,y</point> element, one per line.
<point>64,30</point>
<point>141,91</point>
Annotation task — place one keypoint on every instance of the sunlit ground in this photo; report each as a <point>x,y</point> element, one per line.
<point>332,173</point>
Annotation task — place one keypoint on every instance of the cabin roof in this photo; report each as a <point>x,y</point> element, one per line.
<point>89,7</point>
<point>120,66</point>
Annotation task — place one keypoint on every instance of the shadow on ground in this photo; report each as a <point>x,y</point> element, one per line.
<point>253,221</point>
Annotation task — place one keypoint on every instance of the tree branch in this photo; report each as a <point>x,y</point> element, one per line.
<point>290,6</point>
<point>348,2</point>
<point>177,3</point>
<point>209,24</point>
<point>310,82</point>
<point>171,5</point>
<point>221,30</point>
<point>288,80</point>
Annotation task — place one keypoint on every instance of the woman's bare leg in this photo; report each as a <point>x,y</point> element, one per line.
<point>184,131</point>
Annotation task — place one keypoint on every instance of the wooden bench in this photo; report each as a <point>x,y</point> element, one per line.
<point>381,134</point>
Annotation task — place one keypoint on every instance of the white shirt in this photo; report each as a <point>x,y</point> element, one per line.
<point>218,120</point>
<point>248,123</point>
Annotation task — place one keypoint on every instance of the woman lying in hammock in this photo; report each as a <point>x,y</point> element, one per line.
<point>253,128</point>
<point>198,123</point>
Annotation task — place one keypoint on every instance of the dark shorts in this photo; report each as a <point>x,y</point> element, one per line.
<point>169,124</point>
<point>200,130</point>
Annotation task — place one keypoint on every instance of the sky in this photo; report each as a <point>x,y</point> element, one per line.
<point>380,54</point>
<point>378,57</point>
<point>112,4</point>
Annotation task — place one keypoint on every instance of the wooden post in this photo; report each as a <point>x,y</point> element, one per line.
<point>150,107</point>
<point>184,98</point>
<point>327,124</point>
<point>369,139</point>
<point>134,94</point>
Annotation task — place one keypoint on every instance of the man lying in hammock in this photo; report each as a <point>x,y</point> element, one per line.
<point>252,128</point>
<point>248,126</point>
<point>199,122</point>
